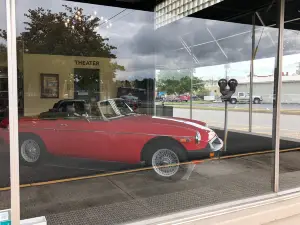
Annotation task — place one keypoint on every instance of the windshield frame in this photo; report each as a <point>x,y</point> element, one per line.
<point>114,106</point>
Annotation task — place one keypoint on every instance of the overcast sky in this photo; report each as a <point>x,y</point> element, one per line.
<point>141,49</point>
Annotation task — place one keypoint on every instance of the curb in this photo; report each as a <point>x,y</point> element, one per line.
<point>287,112</point>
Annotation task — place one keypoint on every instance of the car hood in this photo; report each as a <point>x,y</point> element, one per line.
<point>170,126</point>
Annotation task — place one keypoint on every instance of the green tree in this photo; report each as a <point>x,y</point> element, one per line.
<point>70,33</point>
<point>174,74</point>
<point>3,48</point>
<point>183,85</point>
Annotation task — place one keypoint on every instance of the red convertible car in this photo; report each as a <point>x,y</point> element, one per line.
<point>110,131</point>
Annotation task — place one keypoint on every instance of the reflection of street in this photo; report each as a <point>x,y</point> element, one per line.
<point>262,122</point>
<point>267,107</point>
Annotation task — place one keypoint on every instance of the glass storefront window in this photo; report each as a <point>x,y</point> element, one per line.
<point>111,106</point>
<point>4,147</point>
<point>289,124</point>
<point>121,117</point>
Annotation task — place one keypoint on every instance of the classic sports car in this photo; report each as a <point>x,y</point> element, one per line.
<point>111,131</point>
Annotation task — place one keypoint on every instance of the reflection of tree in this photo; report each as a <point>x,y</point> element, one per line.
<point>3,53</point>
<point>298,69</point>
<point>180,82</point>
<point>147,84</point>
<point>3,48</point>
<point>173,74</point>
<point>87,80</point>
<point>46,33</point>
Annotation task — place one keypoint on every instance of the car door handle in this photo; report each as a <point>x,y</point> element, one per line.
<point>64,125</point>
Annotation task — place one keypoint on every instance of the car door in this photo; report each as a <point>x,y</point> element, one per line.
<point>83,138</point>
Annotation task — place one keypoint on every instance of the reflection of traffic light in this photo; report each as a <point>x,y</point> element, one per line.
<point>227,93</point>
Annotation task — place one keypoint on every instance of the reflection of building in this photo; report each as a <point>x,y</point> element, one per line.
<point>4,86</point>
<point>212,86</point>
<point>74,75</point>
<point>263,85</point>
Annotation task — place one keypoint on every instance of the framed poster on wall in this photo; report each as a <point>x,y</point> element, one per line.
<point>49,86</point>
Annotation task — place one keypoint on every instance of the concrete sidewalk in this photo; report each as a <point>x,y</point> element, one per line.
<point>292,220</point>
<point>137,196</point>
<point>285,212</point>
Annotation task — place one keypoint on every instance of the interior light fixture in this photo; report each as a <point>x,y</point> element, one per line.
<point>169,11</point>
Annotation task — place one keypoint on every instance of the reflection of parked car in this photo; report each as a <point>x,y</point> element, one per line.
<point>172,99</point>
<point>244,97</point>
<point>184,98</point>
<point>131,100</point>
<point>113,132</point>
<point>61,106</point>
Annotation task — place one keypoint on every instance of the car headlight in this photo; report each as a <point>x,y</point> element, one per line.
<point>198,137</point>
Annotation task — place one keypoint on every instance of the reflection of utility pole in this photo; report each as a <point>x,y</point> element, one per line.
<point>227,66</point>
<point>298,69</point>
<point>253,54</point>
<point>20,83</point>
<point>173,86</point>
<point>191,97</point>
<point>189,50</point>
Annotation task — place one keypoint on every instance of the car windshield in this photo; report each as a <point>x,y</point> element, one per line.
<point>114,108</point>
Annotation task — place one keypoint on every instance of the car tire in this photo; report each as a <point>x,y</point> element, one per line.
<point>173,154</point>
<point>32,150</point>
<point>256,101</point>
<point>233,101</point>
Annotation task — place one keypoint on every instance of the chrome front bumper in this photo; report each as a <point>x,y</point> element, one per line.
<point>216,144</point>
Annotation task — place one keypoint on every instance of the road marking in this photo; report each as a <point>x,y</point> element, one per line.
<point>144,169</point>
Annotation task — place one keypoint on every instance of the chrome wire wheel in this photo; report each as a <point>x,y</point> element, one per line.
<point>165,162</point>
<point>30,151</point>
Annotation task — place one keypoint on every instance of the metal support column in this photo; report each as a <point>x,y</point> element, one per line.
<point>252,73</point>
<point>277,93</point>
<point>225,126</point>
<point>154,97</point>
<point>13,111</point>
<point>191,99</point>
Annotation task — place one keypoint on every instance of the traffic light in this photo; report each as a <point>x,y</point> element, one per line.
<point>225,91</point>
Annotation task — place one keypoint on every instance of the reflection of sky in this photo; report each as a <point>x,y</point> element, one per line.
<point>262,67</point>
<point>140,48</point>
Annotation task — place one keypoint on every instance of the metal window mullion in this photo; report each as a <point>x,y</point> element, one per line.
<point>13,111</point>
<point>191,94</point>
<point>252,74</point>
<point>277,93</point>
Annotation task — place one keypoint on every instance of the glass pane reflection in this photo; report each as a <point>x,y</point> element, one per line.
<point>122,118</point>
<point>4,146</point>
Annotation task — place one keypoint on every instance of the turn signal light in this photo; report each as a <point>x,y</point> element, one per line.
<point>184,140</point>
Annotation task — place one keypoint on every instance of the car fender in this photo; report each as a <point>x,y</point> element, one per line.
<point>155,140</point>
